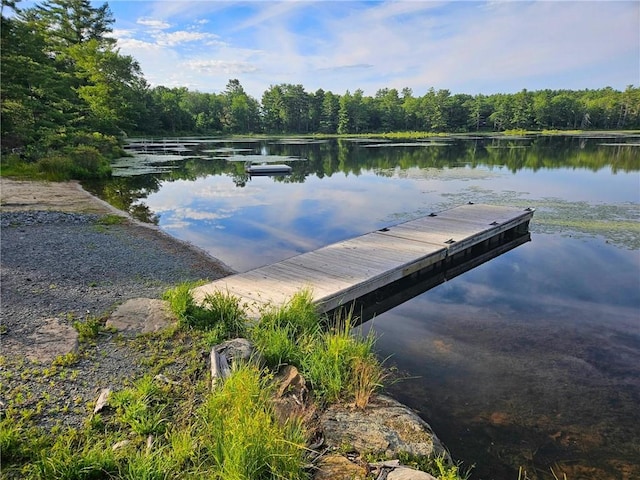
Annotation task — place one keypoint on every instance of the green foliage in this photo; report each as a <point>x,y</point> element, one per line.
<point>65,90</point>
<point>284,335</point>
<point>18,443</point>
<point>241,436</point>
<point>88,329</point>
<point>65,461</point>
<point>337,363</point>
<point>12,165</point>
<point>142,407</point>
<point>438,466</point>
<point>111,219</point>
<point>65,360</point>
<point>220,313</point>
<point>341,364</point>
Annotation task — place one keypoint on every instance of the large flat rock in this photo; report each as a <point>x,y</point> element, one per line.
<point>141,315</point>
<point>385,427</point>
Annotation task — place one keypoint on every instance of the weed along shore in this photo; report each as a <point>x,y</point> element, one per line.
<point>137,380</point>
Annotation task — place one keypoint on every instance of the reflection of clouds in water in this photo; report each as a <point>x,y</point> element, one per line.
<point>285,219</point>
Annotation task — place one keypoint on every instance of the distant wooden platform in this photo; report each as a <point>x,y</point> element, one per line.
<point>342,272</point>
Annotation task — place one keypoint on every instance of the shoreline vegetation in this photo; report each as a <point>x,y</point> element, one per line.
<point>177,423</point>
<point>93,163</point>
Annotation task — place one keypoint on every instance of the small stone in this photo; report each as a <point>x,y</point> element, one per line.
<point>164,379</point>
<point>103,400</point>
<point>120,444</point>
<point>406,473</point>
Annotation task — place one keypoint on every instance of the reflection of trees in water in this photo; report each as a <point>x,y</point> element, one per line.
<point>127,193</point>
<point>353,157</point>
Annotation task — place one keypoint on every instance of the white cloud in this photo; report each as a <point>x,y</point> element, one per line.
<point>175,38</point>
<point>120,33</point>
<point>155,24</point>
<point>218,66</point>
<point>468,47</point>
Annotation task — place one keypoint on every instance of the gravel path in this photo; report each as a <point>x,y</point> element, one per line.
<point>71,266</point>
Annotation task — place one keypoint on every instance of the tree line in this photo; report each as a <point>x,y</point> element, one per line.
<point>67,88</point>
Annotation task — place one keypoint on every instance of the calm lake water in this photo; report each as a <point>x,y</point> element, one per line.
<point>531,360</point>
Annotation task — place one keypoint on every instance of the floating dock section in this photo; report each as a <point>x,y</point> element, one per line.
<point>341,273</point>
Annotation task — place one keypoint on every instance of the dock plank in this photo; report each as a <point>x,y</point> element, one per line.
<point>341,272</point>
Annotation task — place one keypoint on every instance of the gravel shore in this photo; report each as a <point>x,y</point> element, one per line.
<point>72,266</point>
<point>68,264</point>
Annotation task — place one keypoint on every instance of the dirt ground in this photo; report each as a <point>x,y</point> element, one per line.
<point>18,195</point>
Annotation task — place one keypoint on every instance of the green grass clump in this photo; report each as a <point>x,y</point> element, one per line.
<point>342,365</point>
<point>88,329</point>
<point>338,364</point>
<point>220,313</point>
<point>71,457</point>
<point>111,219</point>
<point>439,466</point>
<point>142,407</point>
<point>284,335</point>
<point>240,435</point>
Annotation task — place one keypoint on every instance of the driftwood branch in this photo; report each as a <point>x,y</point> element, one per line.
<point>219,367</point>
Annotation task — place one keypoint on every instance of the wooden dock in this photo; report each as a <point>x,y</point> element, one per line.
<point>340,273</point>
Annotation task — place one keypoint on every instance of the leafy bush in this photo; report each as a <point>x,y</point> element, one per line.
<point>79,162</point>
<point>107,145</point>
<point>56,167</point>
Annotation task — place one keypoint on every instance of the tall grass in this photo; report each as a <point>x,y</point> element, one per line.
<point>142,407</point>
<point>342,365</point>
<point>220,313</point>
<point>338,364</point>
<point>285,334</point>
<point>239,433</point>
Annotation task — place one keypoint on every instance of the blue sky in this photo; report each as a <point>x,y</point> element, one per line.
<point>466,47</point>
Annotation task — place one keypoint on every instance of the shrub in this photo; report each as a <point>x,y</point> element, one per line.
<point>88,162</point>
<point>79,162</point>
<point>56,167</point>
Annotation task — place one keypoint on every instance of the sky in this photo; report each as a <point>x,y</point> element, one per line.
<point>463,46</point>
